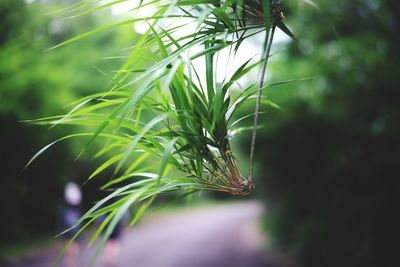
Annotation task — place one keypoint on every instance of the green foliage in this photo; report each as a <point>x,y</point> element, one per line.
<point>160,105</point>
<point>333,156</point>
<point>35,84</point>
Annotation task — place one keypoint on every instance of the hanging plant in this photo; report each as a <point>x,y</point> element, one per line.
<point>168,110</point>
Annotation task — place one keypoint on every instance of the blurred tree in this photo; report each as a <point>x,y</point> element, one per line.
<point>34,84</point>
<point>330,162</point>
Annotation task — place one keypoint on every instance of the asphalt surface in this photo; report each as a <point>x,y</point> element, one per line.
<point>213,236</point>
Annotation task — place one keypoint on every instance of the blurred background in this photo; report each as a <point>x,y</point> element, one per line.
<point>327,162</point>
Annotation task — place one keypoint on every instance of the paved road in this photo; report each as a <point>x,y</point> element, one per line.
<point>214,236</point>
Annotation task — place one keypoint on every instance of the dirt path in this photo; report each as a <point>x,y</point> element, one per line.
<point>216,236</point>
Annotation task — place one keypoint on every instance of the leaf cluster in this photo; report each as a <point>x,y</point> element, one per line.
<point>160,108</point>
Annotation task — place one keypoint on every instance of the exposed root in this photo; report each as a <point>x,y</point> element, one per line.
<point>243,188</point>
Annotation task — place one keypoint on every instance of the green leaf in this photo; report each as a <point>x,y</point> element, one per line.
<point>105,165</point>
<point>105,28</point>
<point>137,138</point>
<point>224,17</point>
<point>285,29</point>
<point>267,13</point>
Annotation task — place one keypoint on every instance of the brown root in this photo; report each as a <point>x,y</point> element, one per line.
<point>243,188</point>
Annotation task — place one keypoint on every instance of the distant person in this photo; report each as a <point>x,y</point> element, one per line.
<point>69,214</point>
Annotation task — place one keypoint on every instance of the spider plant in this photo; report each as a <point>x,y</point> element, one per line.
<point>160,107</point>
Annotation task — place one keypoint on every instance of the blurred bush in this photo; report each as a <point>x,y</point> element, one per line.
<point>330,161</point>
<point>35,84</point>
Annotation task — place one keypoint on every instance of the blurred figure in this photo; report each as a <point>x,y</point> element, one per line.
<point>69,214</point>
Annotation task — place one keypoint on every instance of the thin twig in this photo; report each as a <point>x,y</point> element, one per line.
<point>257,108</point>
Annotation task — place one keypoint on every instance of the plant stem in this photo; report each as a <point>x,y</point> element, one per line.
<point>257,108</point>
